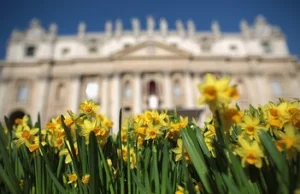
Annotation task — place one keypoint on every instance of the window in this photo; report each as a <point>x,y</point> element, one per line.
<point>93,49</point>
<point>176,88</point>
<point>65,51</point>
<point>233,47</point>
<point>127,45</point>
<point>205,44</point>
<point>153,100</point>
<point>22,94</point>
<point>30,51</point>
<point>276,87</point>
<point>127,90</point>
<point>266,47</point>
<point>127,108</point>
<point>92,90</point>
<point>152,87</point>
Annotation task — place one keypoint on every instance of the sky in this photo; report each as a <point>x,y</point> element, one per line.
<point>16,14</point>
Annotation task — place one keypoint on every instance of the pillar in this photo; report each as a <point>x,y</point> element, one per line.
<point>167,90</point>
<point>115,103</point>
<point>137,107</point>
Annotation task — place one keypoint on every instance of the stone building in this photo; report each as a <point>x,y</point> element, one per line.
<point>139,69</point>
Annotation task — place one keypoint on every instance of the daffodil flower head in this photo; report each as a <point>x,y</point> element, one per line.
<point>251,126</point>
<point>23,121</point>
<point>289,141</point>
<point>180,152</point>
<point>26,136</point>
<point>89,107</point>
<point>85,179</point>
<point>72,179</point>
<point>250,153</point>
<point>216,91</point>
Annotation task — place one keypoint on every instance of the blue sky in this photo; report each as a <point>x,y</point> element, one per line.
<point>68,13</point>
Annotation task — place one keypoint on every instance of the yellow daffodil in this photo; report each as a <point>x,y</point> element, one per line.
<point>23,122</point>
<point>140,141</point>
<point>251,153</point>
<point>183,121</point>
<point>87,128</point>
<point>141,130</point>
<point>233,115</point>
<point>172,132</point>
<point>251,126</point>
<point>132,156</point>
<point>26,136</point>
<point>160,118</point>
<point>216,91</point>
<point>295,117</point>
<point>53,125</point>
<point>65,152</point>
<point>208,137</point>
<point>180,190</point>
<point>289,141</point>
<point>72,178</point>
<point>180,151</point>
<point>85,179</point>
<point>153,132</point>
<point>230,115</point>
<point>88,107</point>
<point>35,145</point>
<point>277,115</point>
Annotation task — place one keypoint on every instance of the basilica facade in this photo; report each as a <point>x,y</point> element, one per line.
<point>139,69</point>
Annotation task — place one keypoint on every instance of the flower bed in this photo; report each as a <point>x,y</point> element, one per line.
<point>238,151</point>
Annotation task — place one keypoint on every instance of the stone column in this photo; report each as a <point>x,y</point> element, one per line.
<point>188,90</point>
<point>167,90</point>
<point>74,98</point>
<point>4,98</point>
<point>263,91</point>
<point>115,103</point>
<point>137,107</point>
<point>104,94</point>
<point>41,99</point>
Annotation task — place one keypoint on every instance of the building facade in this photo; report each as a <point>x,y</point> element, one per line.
<point>139,69</point>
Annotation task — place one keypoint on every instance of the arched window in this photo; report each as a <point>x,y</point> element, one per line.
<point>22,94</point>
<point>176,88</point>
<point>127,92</point>
<point>153,100</point>
<point>152,89</point>
<point>92,90</point>
<point>59,92</point>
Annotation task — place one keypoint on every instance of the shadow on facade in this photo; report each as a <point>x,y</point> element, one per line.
<point>17,114</point>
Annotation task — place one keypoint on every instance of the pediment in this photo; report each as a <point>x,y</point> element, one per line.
<point>151,49</point>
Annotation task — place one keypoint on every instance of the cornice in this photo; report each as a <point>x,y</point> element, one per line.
<point>147,58</point>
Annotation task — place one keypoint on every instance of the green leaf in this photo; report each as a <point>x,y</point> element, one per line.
<point>277,159</point>
<point>197,159</point>
<point>7,164</point>
<point>55,181</point>
<point>230,184</point>
<point>165,168</point>
<point>155,170</point>
<point>10,184</point>
<point>139,184</point>
<point>93,163</point>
